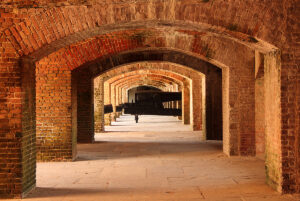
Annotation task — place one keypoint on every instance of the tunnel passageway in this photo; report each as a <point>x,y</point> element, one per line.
<point>157,159</point>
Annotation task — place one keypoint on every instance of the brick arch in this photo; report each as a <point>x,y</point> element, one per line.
<point>50,24</point>
<point>210,48</point>
<point>148,81</point>
<point>158,85</point>
<point>167,80</point>
<point>112,85</point>
<point>147,78</point>
<point>89,71</point>
<point>88,53</point>
<point>181,73</point>
<point>124,86</point>
<point>263,20</point>
<point>181,59</point>
<point>167,69</point>
<point>133,74</point>
<point>95,13</point>
<point>119,74</point>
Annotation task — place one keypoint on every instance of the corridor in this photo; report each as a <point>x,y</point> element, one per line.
<point>157,159</point>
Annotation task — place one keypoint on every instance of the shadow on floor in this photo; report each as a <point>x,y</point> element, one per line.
<point>119,149</point>
<point>45,192</point>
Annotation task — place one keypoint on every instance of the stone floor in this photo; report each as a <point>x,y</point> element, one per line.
<point>162,161</point>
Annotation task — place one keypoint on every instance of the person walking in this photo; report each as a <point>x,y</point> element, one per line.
<point>136,118</point>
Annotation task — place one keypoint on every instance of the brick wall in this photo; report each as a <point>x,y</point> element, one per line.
<point>17,124</point>
<point>10,123</point>
<point>53,110</point>
<point>290,101</point>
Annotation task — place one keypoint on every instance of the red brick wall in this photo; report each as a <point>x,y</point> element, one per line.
<point>290,100</point>
<point>17,124</point>
<point>53,110</point>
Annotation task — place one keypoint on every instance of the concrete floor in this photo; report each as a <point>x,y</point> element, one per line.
<point>163,160</point>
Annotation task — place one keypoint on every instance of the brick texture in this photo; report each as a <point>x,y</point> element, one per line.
<point>58,36</point>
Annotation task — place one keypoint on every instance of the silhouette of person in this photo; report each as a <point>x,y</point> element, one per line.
<point>136,118</point>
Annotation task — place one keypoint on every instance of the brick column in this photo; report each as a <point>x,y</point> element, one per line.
<point>117,101</point>
<point>85,107</point>
<point>196,106</point>
<point>28,133</point>
<point>273,157</point>
<point>259,106</point>
<point>186,103</point>
<point>99,104</point>
<point>179,106</point>
<point>212,124</point>
<point>54,135</point>
<point>113,101</point>
<point>120,99</point>
<point>107,101</point>
<point>17,124</point>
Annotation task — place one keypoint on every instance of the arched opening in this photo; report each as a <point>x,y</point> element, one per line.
<point>213,79</point>
<point>177,32</point>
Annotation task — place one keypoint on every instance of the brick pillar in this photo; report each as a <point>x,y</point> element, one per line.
<point>273,157</point>
<point>259,106</point>
<point>179,106</point>
<point>124,95</point>
<point>85,107</point>
<point>196,106</point>
<point>117,100</point>
<point>99,104</point>
<point>54,112</point>
<point>213,105</point>
<point>107,101</point>
<point>107,119</point>
<point>113,101</point>
<point>186,103</point>
<point>290,122</point>
<point>28,129</point>
<point>17,125</point>
<point>227,148</point>
<point>239,112</point>
<point>120,99</point>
